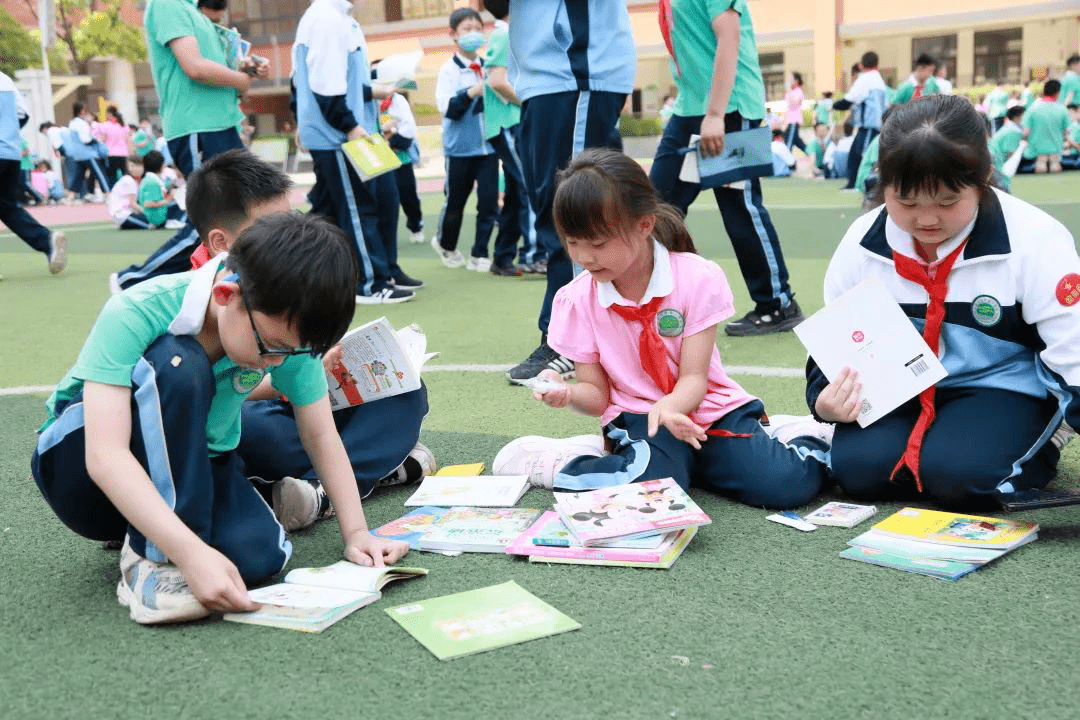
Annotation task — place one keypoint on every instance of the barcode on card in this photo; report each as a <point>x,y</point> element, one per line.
<point>917,366</point>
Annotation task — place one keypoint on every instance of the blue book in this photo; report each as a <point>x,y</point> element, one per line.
<point>747,154</point>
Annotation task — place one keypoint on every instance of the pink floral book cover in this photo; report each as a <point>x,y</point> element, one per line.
<point>627,511</point>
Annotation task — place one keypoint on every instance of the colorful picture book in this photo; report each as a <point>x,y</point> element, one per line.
<point>935,526</point>
<point>657,551</point>
<point>377,362</point>
<point>412,526</point>
<point>628,511</point>
<point>840,514</point>
<point>470,490</point>
<point>313,599</point>
<point>477,529</point>
<point>371,157</point>
<point>933,567</point>
<point>479,620</point>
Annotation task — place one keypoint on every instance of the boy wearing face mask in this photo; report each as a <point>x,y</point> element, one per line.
<point>459,95</point>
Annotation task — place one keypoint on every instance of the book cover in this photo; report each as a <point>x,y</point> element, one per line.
<point>411,526</point>
<point>479,620</point>
<point>550,531</point>
<point>627,511</point>
<point>840,514</point>
<point>613,556</point>
<point>915,548</point>
<point>477,529</point>
<point>371,157</point>
<point>466,469</point>
<point>377,362</point>
<point>947,528</point>
<point>313,599</point>
<point>473,491</point>
<point>943,569</point>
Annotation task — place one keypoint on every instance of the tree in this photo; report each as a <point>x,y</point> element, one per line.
<point>21,50</point>
<point>94,28</point>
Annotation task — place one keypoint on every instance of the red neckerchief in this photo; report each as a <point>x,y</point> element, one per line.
<point>651,348</point>
<point>385,104</point>
<point>1047,98</point>
<point>667,22</point>
<point>937,287</point>
<point>477,68</point>
<point>918,91</point>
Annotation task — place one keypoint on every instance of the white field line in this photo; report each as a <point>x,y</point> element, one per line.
<point>755,370</point>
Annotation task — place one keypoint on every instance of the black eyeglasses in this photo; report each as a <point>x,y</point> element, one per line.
<point>263,350</point>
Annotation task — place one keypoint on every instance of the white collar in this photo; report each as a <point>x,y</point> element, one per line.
<point>501,25</point>
<point>189,320</point>
<point>661,282</point>
<point>902,242</point>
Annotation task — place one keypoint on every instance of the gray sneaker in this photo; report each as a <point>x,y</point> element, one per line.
<point>58,247</point>
<point>154,592</point>
<point>299,503</point>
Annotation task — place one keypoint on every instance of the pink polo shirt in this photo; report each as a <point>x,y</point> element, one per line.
<point>794,97</point>
<point>115,137</point>
<point>697,297</point>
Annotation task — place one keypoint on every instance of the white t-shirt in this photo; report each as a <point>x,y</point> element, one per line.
<point>121,197</point>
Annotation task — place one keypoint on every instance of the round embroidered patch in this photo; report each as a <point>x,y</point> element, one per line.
<point>670,322</point>
<point>244,380</point>
<point>986,310</point>
<point>1068,290</point>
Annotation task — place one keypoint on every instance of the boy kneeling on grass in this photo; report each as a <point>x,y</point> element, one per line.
<point>141,433</point>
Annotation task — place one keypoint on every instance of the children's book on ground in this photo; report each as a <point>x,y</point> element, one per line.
<point>459,470</point>
<point>313,599</point>
<point>657,551</point>
<point>377,362</point>
<point>947,528</point>
<point>933,567</point>
<point>477,529</point>
<point>412,526</point>
<point>840,514</point>
<point>371,156</point>
<point>628,511</point>
<point>478,620</point>
<point>865,329</point>
<point>473,491</point>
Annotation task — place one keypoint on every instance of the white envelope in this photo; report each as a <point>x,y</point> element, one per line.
<point>866,330</point>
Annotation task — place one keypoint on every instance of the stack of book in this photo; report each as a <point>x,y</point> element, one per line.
<point>939,544</point>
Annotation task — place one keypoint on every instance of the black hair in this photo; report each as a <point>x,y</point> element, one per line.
<point>153,161</point>
<point>826,94</point>
<point>1015,112</point>
<point>302,267</point>
<point>45,126</point>
<point>222,191</point>
<point>777,133</point>
<point>213,4</point>
<point>933,142</point>
<point>116,113</point>
<point>869,60</point>
<point>46,163</point>
<point>797,77</point>
<point>604,192</point>
<point>77,108</point>
<point>1051,88</point>
<point>856,69</point>
<point>1073,59</point>
<point>461,15</point>
<point>820,124</point>
<point>925,59</point>
<point>849,127</point>
<point>136,159</point>
<point>1072,106</point>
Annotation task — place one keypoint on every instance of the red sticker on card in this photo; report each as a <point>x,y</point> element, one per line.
<point>857,336</point>
<point>1068,290</point>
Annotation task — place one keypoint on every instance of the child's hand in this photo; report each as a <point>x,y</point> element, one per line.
<point>365,549</point>
<point>558,397</point>
<point>678,424</point>
<point>215,582</point>
<point>840,401</point>
<point>332,358</point>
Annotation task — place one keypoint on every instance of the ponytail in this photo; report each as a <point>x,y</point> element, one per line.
<point>670,230</point>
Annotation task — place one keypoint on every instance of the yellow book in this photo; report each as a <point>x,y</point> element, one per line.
<point>934,526</point>
<point>371,156</point>
<point>460,470</point>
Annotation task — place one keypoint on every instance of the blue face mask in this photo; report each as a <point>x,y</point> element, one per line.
<point>471,41</point>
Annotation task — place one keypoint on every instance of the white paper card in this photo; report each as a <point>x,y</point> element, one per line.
<point>866,330</point>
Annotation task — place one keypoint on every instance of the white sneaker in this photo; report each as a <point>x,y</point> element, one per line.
<point>114,284</point>
<point>541,458</point>
<point>58,246</point>
<point>1062,436</point>
<point>386,296</point>
<point>174,224</point>
<point>786,428</point>
<point>450,258</point>
<point>299,503</point>
<point>479,264</point>
<point>417,237</point>
<point>155,593</point>
<point>418,465</point>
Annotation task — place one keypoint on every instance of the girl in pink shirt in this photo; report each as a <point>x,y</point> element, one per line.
<point>794,115</point>
<point>116,135</point>
<point>640,326</point>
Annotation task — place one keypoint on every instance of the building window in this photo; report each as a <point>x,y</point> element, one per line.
<point>415,9</point>
<point>997,56</point>
<point>940,47</point>
<point>260,21</point>
<point>772,72</point>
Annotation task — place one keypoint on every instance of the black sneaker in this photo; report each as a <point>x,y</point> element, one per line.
<point>404,282</point>
<point>542,358</point>
<point>386,296</point>
<point>507,270</point>
<point>756,322</point>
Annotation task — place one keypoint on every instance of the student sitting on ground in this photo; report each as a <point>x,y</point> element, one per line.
<point>153,206</point>
<point>46,182</point>
<point>1004,143</point>
<point>782,159</point>
<point>817,148</point>
<point>1003,282</point>
<point>141,436</point>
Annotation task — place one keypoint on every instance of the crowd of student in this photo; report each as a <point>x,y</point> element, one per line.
<point>194,428</point>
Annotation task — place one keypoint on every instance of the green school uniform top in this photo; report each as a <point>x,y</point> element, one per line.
<point>132,320</point>
<point>151,188</point>
<point>694,42</point>
<point>823,111</point>
<point>187,106</point>
<point>869,160</point>
<point>997,103</point>
<point>816,149</point>
<point>26,159</point>
<point>1070,83</point>
<point>1074,132</point>
<point>1048,122</point>
<point>1004,142</point>
<point>143,143</point>
<point>906,92</point>
<point>498,114</point>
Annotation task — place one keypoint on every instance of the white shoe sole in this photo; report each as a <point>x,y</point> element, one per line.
<point>149,616</point>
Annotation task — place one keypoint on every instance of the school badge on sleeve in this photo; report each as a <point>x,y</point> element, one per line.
<point>1068,290</point>
<point>244,380</point>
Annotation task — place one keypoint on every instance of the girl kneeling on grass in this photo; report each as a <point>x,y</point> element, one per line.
<point>640,326</point>
<point>993,283</point>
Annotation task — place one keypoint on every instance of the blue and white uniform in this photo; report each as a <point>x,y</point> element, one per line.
<point>868,100</point>
<point>13,115</point>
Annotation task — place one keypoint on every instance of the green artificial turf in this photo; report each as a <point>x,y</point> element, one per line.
<point>755,620</point>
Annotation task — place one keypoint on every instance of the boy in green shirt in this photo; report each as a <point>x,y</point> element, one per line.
<point>141,436</point>
<point>1046,122</point>
<point>154,199</point>
<point>920,83</point>
<point>816,148</point>
<point>1005,142</point>
<point>1070,81</point>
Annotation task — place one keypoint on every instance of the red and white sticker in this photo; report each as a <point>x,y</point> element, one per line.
<point>1068,290</point>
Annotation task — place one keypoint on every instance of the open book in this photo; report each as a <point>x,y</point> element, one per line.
<point>313,599</point>
<point>473,491</point>
<point>377,362</point>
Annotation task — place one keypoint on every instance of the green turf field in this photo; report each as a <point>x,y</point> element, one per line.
<point>755,620</point>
